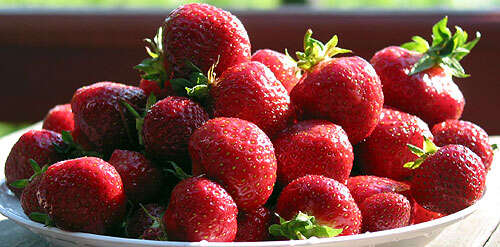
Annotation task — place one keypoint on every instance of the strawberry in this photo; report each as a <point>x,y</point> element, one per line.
<point>203,34</point>
<point>28,200</point>
<point>417,78</point>
<point>152,87</point>
<point>59,118</point>
<point>142,181</point>
<point>384,152</point>
<point>421,215</point>
<point>345,90</point>
<point>97,202</point>
<point>466,134</point>
<point>284,68</point>
<point>101,116</point>
<point>146,221</point>
<point>200,209</point>
<point>315,147</point>
<point>362,187</point>
<point>34,144</point>
<point>253,226</point>
<point>447,179</point>
<point>238,155</point>
<point>326,200</point>
<point>384,211</point>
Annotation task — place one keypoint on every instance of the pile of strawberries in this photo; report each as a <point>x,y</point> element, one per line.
<point>278,148</point>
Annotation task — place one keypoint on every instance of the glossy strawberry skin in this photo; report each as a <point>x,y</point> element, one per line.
<point>239,156</point>
<point>203,35</point>
<point>200,209</point>
<point>346,91</point>
<point>466,134</point>
<point>142,180</point>
<point>284,68</point>
<point>385,151</point>
<point>325,198</point>
<point>97,202</point>
<point>250,91</point>
<point>36,145</point>
<point>362,187</point>
<point>431,95</point>
<point>101,116</point>
<point>385,211</point>
<point>253,226</point>
<point>59,118</point>
<point>29,201</point>
<point>140,222</point>
<point>450,180</point>
<point>168,126</point>
<point>313,147</point>
<point>153,87</point>
<point>421,215</point>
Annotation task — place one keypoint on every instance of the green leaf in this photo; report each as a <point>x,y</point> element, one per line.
<point>20,184</point>
<point>494,147</point>
<point>153,68</point>
<point>179,86</point>
<point>415,150</point>
<point>71,149</point>
<point>454,67</point>
<point>418,44</point>
<point>302,226</point>
<point>440,32</point>
<point>41,218</point>
<point>425,63</point>
<point>429,147</point>
<point>177,171</point>
<point>35,166</point>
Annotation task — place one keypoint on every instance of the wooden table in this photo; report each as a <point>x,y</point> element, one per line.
<point>479,229</point>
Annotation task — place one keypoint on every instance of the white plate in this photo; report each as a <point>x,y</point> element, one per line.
<point>415,235</point>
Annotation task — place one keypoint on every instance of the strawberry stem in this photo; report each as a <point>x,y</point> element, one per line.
<point>152,68</point>
<point>428,148</point>
<point>302,226</point>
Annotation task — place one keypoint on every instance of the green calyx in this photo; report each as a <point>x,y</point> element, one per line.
<point>41,218</point>
<point>157,223</point>
<point>494,147</point>
<point>37,171</point>
<point>429,148</point>
<point>153,68</point>
<point>139,117</point>
<point>177,171</point>
<point>446,50</point>
<point>70,149</point>
<point>315,51</point>
<point>302,226</point>
<point>197,85</point>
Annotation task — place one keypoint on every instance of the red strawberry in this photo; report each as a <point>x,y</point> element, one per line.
<point>284,68</point>
<point>384,152</point>
<point>421,215</point>
<point>153,87</point>
<point>97,202</point>
<point>203,34</point>
<point>362,187</point>
<point>385,211</point>
<point>142,181</point>
<point>34,144</point>
<point>29,201</point>
<point>324,198</point>
<point>253,226</point>
<point>142,222</point>
<point>345,90</point>
<point>81,139</point>
<point>313,147</point>
<point>418,79</point>
<point>466,134</point>
<point>59,118</point>
<point>238,155</point>
<point>200,209</point>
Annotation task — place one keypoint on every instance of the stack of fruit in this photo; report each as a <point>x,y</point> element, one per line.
<point>270,141</point>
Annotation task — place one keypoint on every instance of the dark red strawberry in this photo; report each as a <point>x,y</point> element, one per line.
<point>200,209</point>
<point>362,187</point>
<point>203,34</point>
<point>284,68</point>
<point>421,215</point>
<point>384,152</point>
<point>29,201</point>
<point>153,87</point>
<point>142,180</point>
<point>81,139</point>
<point>385,211</point>
<point>145,222</point>
<point>346,90</point>
<point>313,147</point>
<point>466,134</point>
<point>34,144</point>
<point>417,77</point>
<point>103,118</point>
<point>253,226</point>
<point>327,200</point>
<point>59,118</point>
<point>238,155</point>
<point>84,194</point>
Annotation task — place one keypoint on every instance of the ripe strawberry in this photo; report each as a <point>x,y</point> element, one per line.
<point>238,155</point>
<point>142,181</point>
<point>362,187</point>
<point>145,221</point>
<point>160,92</point>
<point>345,90</point>
<point>253,226</point>
<point>384,152</point>
<point>421,215</point>
<point>417,78</point>
<point>29,201</point>
<point>284,68</point>
<point>313,147</point>
<point>34,144</point>
<point>385,211</point>
<point>327,200</point>
<point>101,116</point>
<point>466,134</point>
<point>203,34</point>
<point>59,118</point>
<point>200,209</point>
<point>97,202</point>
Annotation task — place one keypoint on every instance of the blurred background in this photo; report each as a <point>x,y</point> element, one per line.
<point>49,48</point>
